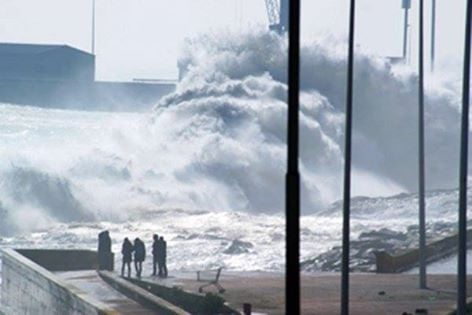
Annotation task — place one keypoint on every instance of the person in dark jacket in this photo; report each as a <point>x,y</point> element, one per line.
<point>139,255</point>
<point>155,253</point>
<point>105,261</point>
<point>126,251</point>
<point>162,257</point>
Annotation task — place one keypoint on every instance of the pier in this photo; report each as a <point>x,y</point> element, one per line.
<point>373,294</point>
<point>75,288</point>
<point>28,287</point>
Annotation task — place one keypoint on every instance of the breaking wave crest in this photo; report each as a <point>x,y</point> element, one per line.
<point>218,141</point>
<point>231,106</point>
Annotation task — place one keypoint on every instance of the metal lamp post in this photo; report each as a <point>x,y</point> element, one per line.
<point>347,166</point>
<point>421,162</point>
<point>406,5</point>
<point>462,252</point>
<point>292,184</point>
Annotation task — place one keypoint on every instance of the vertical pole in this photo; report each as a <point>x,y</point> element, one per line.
<point>433,33</point>
<point>93,27</point>
<point>462,252</point>
<point>292,202</point>
<point>347,167</point>
<point>421,166</point>
<point>405,33</point>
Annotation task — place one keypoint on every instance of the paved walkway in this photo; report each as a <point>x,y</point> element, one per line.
<point>374,294</point>
<point>93,285</point>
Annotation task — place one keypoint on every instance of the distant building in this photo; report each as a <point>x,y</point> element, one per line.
<point>45,63</point>
<point>60,76</point>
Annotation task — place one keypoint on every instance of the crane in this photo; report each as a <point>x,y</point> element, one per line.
<point>277,12</point>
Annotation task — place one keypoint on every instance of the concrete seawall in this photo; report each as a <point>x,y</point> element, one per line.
<point>62,260</point>
<point>192,302</point>
<point>140,295</point>
<point>28,288</point>
<point>387,263</point>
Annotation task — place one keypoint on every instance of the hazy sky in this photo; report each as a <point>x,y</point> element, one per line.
<point>142,38</point>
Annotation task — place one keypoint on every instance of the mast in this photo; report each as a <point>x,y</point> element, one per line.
<point>292,194</point>
<point>406,5</point>
<point>433,34</point>
<point>93,27</point>
<point>462,246</point>
<point>421,166</point>
<point>347,167</point>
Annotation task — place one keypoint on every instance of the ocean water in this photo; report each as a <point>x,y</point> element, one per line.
<point>205,167</point>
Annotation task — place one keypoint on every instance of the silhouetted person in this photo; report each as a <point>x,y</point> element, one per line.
<point>247,309</point>
<point>126,251</point>
<point>162,257</point>
<point>105,260</point>
<point>139,255</point>
<point>155,253</point>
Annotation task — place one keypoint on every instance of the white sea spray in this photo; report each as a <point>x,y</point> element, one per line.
<point>206,166</point>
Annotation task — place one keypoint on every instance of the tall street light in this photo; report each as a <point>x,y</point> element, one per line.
<point>347,166</point>
<point>292,184</point>
<point>406,5</point>
<point>421,164</point>
<point>433,33</point>
<point>93,27</point>
<point>462,248</point>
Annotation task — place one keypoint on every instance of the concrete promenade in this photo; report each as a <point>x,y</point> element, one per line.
<point>374,294</point>
<point>89,281</point>
<point>28,286</point>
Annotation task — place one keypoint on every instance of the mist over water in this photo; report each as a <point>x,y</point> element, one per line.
<point>206,166</point>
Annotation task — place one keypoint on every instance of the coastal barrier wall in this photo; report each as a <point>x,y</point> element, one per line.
<point>63,260</point>
<point>388,263</point>
<point>28,288</point>
<point>191,302</point>
<point>141,296</point>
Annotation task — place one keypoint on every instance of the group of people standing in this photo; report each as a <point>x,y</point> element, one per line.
<point>159,256</point>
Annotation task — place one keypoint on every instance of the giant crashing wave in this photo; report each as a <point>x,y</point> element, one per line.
<point>231,106</point>
<point>218,142</point>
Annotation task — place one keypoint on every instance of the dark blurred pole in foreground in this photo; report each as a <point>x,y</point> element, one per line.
<point>421,172</point>
<point>347,166</point>
<point>462,252</point>
<point>292,194</point>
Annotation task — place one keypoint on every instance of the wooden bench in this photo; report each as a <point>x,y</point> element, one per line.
<point>210,277</point>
